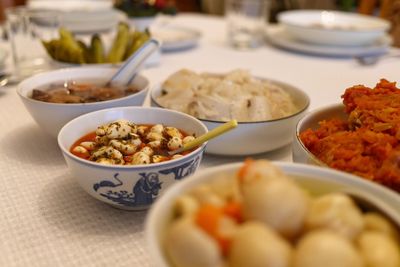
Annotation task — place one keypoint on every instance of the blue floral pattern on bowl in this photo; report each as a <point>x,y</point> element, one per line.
<point>147,187</point>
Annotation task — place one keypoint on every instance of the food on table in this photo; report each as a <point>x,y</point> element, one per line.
<point>71,50</point>
<point>81,92</point>
<point>261,217</point>
<point>367,143</point>
<point>125,143</point>
<point>235,95</point>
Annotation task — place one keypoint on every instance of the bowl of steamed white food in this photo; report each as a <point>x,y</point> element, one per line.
<point>266,110</point>
<point>284,214</point>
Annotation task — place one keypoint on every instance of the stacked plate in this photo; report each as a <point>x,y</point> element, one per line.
<point>176,38</point>
<point>84,16</point>
<point>331,33</point>
<point>91,21</point>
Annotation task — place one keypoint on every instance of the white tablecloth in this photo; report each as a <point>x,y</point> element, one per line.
<point>47,220</point>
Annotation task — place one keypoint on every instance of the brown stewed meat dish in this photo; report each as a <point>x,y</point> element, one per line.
<point>73,92</point>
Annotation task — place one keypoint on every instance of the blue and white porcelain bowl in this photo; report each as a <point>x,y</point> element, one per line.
<point>130,187</point>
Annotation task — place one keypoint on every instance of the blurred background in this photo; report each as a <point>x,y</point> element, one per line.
<point>388,9</point>
<point>217,6</point>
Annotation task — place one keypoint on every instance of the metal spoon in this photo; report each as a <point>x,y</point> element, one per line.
<point>127,72</point>
<point>370,60</point>
<point>5,79</point>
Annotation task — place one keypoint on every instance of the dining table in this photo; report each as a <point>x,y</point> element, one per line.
<point>48,220</point>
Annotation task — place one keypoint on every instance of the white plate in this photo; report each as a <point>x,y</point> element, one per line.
<point>333,27</point>
<point>83,16</point>
<point>92,21</point>
<point>277,35</point>
<point>174,38</point>
<point>70,5</point>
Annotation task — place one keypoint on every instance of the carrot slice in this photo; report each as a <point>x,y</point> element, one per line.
<point>208,218</point>
<point>243,170</point>
<point>234,210</point>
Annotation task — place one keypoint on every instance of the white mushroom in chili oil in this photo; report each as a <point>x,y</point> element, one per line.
<point>125,143</point>
<point>80,149</point>
<point>88,145</point>
<point>140,158</point>
<point>155,144</point>
<point>187,139</point>
<point>118,129</point>
<point>141,129</point>
<point>158,128</point>
<point>147,150</point>
<point>136,140</point>
<point>159,158</point>
<point>174,143</point>
<point>124,147</point>
<point>107,152</point>
<point>173,132</point>
<point>154,136</point>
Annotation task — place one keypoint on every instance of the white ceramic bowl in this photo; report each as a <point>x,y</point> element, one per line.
<point>300,153</point>
<point>333,27</point>
<point>315,179</point>
<point>132,187</point>
<point>253,137</point>
<point>51,117</point>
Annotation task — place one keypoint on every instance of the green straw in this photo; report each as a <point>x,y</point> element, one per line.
<point>205,137</point>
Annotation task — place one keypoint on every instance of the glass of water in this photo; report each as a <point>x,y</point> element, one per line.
<point>27,29</point>
<point>246,22</point>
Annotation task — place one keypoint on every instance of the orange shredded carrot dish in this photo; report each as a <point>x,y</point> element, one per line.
<point>367,144</point>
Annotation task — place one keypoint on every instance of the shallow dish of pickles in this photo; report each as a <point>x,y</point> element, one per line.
<point>69,49</point>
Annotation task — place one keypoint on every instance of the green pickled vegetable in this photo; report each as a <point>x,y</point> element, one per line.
<point>96,50</point>
<point>139,39</point>
<point>118,48</point>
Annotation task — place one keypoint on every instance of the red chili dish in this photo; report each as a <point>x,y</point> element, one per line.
<point>367,143</point>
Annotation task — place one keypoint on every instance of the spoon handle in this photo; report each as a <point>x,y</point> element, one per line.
<point>205,137</point>
<point>130,68</point>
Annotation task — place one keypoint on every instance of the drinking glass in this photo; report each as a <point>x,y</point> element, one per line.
<point>27,29</point>
<point>246,22</point>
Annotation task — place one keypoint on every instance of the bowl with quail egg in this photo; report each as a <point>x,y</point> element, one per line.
<point>261,213</point>
<point>126,156</point>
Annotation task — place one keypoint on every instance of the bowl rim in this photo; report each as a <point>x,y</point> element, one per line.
<point>307,116</point>
<point>66,152</point>
<point>163,204</point>
<point>158,87</point>
<point>25,84</point>
<point>282,18</point>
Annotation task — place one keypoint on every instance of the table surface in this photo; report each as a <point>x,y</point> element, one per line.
<point>48,220</point>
